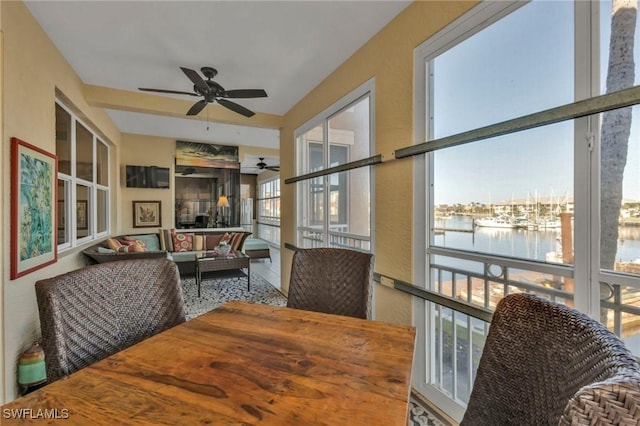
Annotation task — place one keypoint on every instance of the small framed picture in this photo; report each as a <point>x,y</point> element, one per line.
<point>81,214</point>
<point>146,214</point>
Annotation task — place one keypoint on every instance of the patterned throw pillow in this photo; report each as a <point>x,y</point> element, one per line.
<point>227,238</point>
<point>182,241</point>
<point>131,240</point>
<point>113,244</point>
<point>132,248</point>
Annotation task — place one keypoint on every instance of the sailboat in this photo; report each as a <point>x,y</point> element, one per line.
<point>495,222</point>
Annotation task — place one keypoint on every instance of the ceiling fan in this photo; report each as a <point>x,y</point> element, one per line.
<point>212,92</point>
<point>261,165</point>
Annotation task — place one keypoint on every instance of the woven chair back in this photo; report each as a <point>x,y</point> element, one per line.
<point>544,363</point>
<point>333,281</point>
<point>93,312</point>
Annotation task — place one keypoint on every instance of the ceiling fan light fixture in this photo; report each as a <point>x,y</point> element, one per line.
<point>213,92</point>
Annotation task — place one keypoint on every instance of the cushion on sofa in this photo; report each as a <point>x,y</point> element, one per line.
<point>132,248</point>
<point>166,240</point>
<point>149,241</point>
<point>183,241</point>
<point>128,241</point>
<point>113,244</point>
<point>198,242</point>
<point>236,238</point>
<point>212,241</point>
<point>184,256</point>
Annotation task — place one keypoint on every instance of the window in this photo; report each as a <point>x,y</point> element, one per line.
<point>269,211</point>
<point>83,181</point>
<point>334,210</point>
<point>520,212</point>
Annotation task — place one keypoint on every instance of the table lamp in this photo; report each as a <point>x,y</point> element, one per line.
<point>223,202</point>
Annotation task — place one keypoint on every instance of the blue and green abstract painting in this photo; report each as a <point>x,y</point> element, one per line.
<point>36,210</point>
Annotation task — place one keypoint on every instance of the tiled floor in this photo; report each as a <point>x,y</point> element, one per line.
<point>270,271</point>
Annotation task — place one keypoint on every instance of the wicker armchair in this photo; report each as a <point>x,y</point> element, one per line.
<point>93,312</point>
<point>546,364</point>
<point>331,280</point>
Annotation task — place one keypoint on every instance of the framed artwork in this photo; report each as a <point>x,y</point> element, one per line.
<point>81,214</point>
<point>207,155</point>
<point>146,214</point>
<point>33,208</point>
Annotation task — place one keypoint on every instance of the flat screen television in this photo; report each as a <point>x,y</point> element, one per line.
<point>147,177</point>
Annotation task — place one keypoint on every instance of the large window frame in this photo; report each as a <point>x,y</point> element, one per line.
<point>90,214</point>
<point>323,233</point>
<point>268,200</point>
<point>585,270</point>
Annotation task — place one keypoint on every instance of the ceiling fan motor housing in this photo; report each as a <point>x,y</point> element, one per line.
<point>209,72</point>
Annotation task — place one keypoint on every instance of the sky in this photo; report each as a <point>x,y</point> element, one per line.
<point>520,65</point>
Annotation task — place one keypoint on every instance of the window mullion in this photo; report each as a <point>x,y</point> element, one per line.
<point>326,183</point>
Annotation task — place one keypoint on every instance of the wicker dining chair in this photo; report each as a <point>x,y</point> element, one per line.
<point>547,364</point>
<point>332,280</point>
<point>93,312</point>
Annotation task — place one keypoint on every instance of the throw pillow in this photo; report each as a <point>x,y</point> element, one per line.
<point>132,248</point>
<point>198,242</point>
<point>182,241</point>
<point>151,242</point>
<point>167,239</point>
<point>227,238</point>
<point>113,244</point>
<point>213,241</point>
<point>104,250</point>
<point>235,240</point>
<point>132,240</point>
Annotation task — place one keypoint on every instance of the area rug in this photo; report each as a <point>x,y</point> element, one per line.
<point>419,415</point>
<point>218,291</point>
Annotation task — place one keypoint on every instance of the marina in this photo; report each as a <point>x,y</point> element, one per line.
<point>463,232</point>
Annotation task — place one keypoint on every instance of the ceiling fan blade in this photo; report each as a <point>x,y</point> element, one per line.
<point>236,108</point>
<point>245,93</point>
<point>197,107</point>
<point>175,92</point>
<point>273,168</point>
<point>196,79</point>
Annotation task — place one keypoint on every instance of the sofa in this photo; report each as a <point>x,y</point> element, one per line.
<point>180,245</point>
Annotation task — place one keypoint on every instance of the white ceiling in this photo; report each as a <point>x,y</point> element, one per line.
<point>284,47</point>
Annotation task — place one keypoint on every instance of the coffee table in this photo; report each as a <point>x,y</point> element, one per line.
<point>211,261</point>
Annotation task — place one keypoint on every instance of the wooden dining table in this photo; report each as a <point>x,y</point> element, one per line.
<point>241,364</point>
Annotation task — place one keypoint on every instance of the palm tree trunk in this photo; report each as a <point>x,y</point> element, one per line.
<point>616,127</point>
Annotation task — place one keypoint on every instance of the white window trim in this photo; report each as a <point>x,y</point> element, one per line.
<point>73,181</point>
<point>365,89</point>
<point>586,162</point>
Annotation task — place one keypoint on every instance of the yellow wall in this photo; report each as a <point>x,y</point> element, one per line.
<point>139,150</point>
<point>32,70</point>
<point>388,57</point>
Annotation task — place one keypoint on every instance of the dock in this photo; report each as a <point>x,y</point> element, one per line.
<point>440,231</point>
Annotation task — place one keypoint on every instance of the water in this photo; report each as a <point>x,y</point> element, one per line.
<point>525,244</point>
<point>520,243</point>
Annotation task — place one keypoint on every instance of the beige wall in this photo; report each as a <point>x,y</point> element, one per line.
<point>387,57</point>
<point>32,71</point>
<point>139,150</point>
